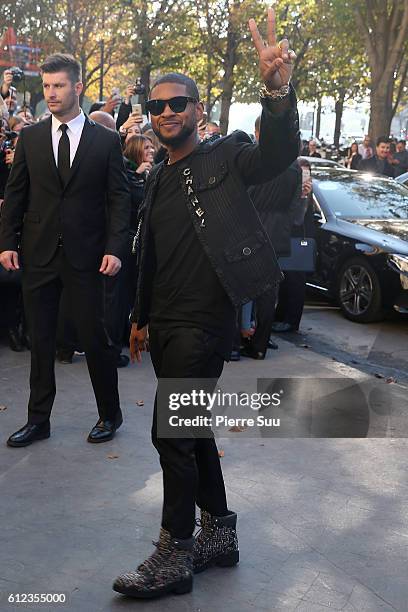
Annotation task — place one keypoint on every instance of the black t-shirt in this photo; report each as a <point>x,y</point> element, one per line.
<point>186,290</point>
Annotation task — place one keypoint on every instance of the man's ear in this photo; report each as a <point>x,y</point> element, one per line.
<point>78,88</point>
<point>199,111</point>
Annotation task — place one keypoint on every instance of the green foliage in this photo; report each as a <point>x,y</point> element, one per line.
<point>209,40</point>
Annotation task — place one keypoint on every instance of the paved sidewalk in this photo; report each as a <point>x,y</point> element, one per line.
<point>322,522</point>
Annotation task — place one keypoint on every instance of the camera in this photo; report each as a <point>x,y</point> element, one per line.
<point>17,73</point>
<point>7,144</point>
<point>140,89</point>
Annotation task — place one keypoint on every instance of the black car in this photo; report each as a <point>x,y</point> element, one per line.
<point>361,226</point>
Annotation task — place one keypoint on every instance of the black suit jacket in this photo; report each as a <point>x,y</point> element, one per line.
<point>91,213</point>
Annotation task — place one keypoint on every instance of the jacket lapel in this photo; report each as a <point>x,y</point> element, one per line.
<point>49,151</point>
<point>87,137</point>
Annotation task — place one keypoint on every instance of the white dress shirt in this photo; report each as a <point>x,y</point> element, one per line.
<point>74,131</point>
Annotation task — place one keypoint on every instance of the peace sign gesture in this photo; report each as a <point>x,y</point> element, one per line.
<point>275,60</point>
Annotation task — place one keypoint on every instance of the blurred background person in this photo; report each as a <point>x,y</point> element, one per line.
<point>292,290</point>
<point>103,118</point>
<point>213,129</point>
<point>312,149</point>
<point>8,92</point>
<point>379,164</point>
<point>401,158</point>
<point>353,157</point>
<point>366,148</point>
<point>276,203</point>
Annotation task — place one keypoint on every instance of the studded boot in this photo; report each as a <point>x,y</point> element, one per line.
<point>168,570</point>
<point>216,543</point>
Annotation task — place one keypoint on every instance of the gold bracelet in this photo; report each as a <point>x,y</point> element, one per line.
<point>276,94</point>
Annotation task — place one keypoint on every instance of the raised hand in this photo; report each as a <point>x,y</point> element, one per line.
<point>275,59</point>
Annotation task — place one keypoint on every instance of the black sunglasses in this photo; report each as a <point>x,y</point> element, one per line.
<point>177,105</point>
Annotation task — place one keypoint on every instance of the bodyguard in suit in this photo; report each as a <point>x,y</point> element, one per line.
<point>65,220</point>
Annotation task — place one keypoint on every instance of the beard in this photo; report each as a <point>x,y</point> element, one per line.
<point>179,138</point>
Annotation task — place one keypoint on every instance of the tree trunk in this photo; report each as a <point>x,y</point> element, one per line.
<point>384,26</point>
<point>226,100</point>
<point>208,102</point>
<point>145,75</point>
<point>339,106</point>
<point>228,77</point>
<point>318,118</point>
<point>84,77</point>
<point>381,111</point>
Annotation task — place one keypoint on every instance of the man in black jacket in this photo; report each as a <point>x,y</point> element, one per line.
<point>276,203</point>
<point>68,196</point>
<point>203,252</point>
<point>378,163</point>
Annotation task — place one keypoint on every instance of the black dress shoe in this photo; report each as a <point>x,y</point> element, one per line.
<point>249,351</point>
<point>29,433</point>
<point>64,356</point>
<point>16,340</point>
<point>104,430</point>
<point>235,355</point>
<point>272,345</point>
<point>122,361</point>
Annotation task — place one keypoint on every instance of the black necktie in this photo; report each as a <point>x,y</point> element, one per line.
<point>63,154</point>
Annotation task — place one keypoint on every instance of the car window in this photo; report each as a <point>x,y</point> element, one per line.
<point>362,196</point>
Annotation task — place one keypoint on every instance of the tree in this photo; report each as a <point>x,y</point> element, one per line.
<point>73,26</point>
<point>384,24</point>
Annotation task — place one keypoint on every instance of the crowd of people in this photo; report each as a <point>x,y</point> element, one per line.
<point>141,151</point>
<point>387,157</point>
<point>279,311</point>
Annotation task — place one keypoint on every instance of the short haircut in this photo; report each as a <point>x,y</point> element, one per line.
<point>62,62</point>
<point>383,139</point>
<point>404,142</point>
<point>180,79</point>
<point>258,123</point>
<point>95,106</point>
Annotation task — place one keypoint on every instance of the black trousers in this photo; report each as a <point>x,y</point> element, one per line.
<point>292,294</point>
<point>84,294</point>
<point>191,466</point>
<point>265,316</point>
<point>11,306</point>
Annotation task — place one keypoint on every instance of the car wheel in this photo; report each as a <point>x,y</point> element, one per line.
<point>359,291</point>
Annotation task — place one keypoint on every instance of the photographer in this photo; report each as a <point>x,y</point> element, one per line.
<point>131,127</point>
<point>8,144</point>
<point>125,109</point>
<point>11,312</point>
<point>6,85</point>
<point>7,90</point>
